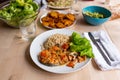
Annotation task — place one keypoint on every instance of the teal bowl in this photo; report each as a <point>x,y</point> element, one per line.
<point>96,21</point>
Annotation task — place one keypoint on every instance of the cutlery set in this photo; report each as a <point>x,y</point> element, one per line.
<point>104,52</point>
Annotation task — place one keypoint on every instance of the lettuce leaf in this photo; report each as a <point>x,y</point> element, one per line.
<point>81,44</point>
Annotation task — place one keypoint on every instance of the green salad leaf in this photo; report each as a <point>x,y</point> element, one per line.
<point>19,10</point>
<point>81,44</point>
<point>94,14</point>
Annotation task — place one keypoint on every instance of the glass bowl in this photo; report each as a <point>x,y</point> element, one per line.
<point>15,22</point>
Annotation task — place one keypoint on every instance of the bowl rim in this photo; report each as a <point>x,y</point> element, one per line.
<point>98,7</point>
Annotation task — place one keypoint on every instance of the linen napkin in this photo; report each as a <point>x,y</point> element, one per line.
<point>111,48</point>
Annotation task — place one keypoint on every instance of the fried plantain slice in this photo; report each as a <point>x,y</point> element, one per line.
<point>70,16</point>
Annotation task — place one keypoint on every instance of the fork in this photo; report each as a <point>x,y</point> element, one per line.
<point>112,61</point>
<point>99,48</point>
<point>99,41</point>
<point>102,49</point>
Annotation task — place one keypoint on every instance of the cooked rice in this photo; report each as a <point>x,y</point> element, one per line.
<point>56,39</point>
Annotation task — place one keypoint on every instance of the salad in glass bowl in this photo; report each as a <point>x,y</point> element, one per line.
<point>17,10</point>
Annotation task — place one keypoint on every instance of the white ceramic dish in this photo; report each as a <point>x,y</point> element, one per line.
<point>35,49</point>
<point>57,28</point>
<point>53,7</point>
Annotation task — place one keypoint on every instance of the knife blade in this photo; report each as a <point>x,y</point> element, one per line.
<point>41,4</point>
<point>111,58</point>
<point>99,48</point>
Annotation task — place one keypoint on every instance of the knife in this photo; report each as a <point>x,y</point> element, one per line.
<point>99,41</point>
<point>41,4</point>
<point>99,48</point>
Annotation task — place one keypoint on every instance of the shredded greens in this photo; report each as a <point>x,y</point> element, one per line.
<point>81,44</point>
<point>94,14</point>
<point>18,10</point>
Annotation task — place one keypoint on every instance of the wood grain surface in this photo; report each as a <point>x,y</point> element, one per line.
<point>16,63</point>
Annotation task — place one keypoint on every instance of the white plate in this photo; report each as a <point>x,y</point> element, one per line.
<point>56,28</point>
<point>53,7</point>
<point>35,49</point>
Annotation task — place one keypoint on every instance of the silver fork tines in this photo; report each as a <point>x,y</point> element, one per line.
<point>99,41</point>
<point>113,62</point>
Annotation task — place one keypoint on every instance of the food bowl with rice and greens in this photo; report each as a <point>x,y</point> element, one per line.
<point>14,11</point>
<point>96,15</point>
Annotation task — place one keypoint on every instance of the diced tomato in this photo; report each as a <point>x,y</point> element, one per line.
<point>65,46</point>
<point>62,57</point>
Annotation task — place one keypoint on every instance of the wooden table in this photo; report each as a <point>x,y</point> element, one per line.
<point>16,64</point>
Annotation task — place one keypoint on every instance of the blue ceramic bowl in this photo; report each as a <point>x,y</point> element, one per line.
<point>96,21</point>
